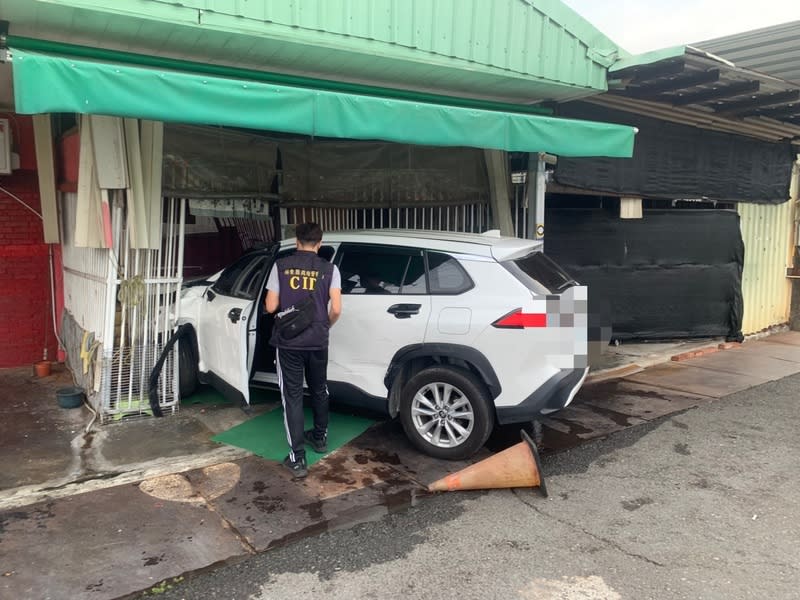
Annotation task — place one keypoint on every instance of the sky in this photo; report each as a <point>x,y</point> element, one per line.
<point>642,25</point>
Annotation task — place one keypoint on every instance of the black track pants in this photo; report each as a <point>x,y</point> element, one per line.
<point>292,364</point>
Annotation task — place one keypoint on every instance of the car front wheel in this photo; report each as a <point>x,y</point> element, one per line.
<point>187,367</point>
<point>446,412</point>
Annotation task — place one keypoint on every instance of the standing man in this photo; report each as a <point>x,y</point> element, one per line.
<point>293,279</point>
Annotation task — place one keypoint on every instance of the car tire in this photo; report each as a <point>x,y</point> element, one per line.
<point>187,366</point>
<point>459,424</point>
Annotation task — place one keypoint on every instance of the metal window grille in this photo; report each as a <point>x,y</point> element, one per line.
<point>251,232</point>
<point>466,218</point>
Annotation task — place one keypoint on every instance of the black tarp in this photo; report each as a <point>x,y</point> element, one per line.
<point>678,161</point>
<point>671,274</point>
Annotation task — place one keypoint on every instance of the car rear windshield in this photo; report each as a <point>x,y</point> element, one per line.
<point>540,274</point>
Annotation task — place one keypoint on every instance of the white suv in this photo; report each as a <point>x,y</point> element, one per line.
<point>451,332</point>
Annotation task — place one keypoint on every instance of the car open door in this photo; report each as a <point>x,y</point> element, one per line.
<point>227,322</point>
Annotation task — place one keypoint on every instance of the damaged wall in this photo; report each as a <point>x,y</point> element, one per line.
<point>672,274</point>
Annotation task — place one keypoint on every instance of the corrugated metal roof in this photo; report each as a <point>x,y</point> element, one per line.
<point>774,50</point>
<point>693,86</point>
<point>517,51</point>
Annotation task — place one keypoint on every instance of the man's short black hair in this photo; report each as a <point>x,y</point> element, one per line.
<point>308,234</point>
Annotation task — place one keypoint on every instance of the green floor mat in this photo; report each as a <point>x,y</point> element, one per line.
<point>205,394</point>
<point>265,434</point>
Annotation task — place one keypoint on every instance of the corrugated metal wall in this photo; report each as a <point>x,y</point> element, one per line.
<point>767,235</point>
<point>530,37</point>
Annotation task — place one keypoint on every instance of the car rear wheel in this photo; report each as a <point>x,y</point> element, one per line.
<point>187,366</point>
<point>446,412</point>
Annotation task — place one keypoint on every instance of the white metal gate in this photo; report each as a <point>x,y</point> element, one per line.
<point>122,302</point>
<point>147,287</point>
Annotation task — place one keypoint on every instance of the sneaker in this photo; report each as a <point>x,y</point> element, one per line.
<point>320,445</point>
<point>297,468</point>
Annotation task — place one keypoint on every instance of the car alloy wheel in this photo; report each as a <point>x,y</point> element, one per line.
<point>442,414</point>
<point>446,412</point>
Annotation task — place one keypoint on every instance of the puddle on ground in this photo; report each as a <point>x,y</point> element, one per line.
<point>681,448</point>
<point>87,440</point>
<point>314,510</point>
<point>617,417</point>
<point>150,561</point>
<point>636,504</point>
<point>269,504</point>
<point>555,440</point>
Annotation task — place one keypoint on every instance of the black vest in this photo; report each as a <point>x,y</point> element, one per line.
<point>300,275</point>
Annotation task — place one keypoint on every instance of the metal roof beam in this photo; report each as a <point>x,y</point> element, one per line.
<point>643,73</point>
<point>789,110</point>
<point>675,84</point>
<point>743,106</point>
<point>735,89</point>
<point>764,129</point>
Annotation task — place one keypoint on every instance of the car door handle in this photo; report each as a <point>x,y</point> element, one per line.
<point>234,314</point>
<point>404,311</point>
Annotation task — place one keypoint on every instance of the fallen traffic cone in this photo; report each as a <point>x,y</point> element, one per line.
<point>517,466</point>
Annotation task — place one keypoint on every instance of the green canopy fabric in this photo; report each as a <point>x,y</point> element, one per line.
<point>47,83</point>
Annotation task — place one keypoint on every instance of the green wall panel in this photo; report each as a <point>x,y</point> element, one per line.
<point>546,48</point>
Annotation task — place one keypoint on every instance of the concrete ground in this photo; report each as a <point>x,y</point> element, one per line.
<point>611,361</point>
<point>702,504</point>
<point>128,511</point>
<point>47,451</point>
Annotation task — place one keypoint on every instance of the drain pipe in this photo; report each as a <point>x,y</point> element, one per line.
<point>53,301</point>
<point>152,391</point>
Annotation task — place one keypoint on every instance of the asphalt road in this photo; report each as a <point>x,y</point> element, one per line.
<point>702,504</point>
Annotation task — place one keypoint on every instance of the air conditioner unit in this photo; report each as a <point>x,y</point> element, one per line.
<point>6,163</point>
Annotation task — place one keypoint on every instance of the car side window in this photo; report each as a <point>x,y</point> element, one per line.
<point>377,270</point>
<point>228,278</point>
<point>248,284</point>
<point>415,281</point>
<point>446,275</point>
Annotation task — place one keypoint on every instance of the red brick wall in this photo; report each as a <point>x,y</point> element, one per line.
<point>25,320</point>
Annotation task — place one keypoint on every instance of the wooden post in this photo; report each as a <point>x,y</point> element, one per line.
<point>45,168</point>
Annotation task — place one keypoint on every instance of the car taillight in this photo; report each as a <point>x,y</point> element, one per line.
<point>517,319</point>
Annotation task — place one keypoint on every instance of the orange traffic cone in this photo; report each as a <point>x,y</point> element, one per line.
<point>517,466</point>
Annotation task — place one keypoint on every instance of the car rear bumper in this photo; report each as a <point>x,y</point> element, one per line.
<point>556,393</point>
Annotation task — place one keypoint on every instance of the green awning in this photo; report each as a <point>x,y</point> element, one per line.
<point>45,83</point>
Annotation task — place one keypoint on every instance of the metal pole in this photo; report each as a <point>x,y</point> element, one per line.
<point>537,186</point>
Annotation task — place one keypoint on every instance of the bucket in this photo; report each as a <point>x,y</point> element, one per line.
<point>70,397</point>
<point>42,368</point>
